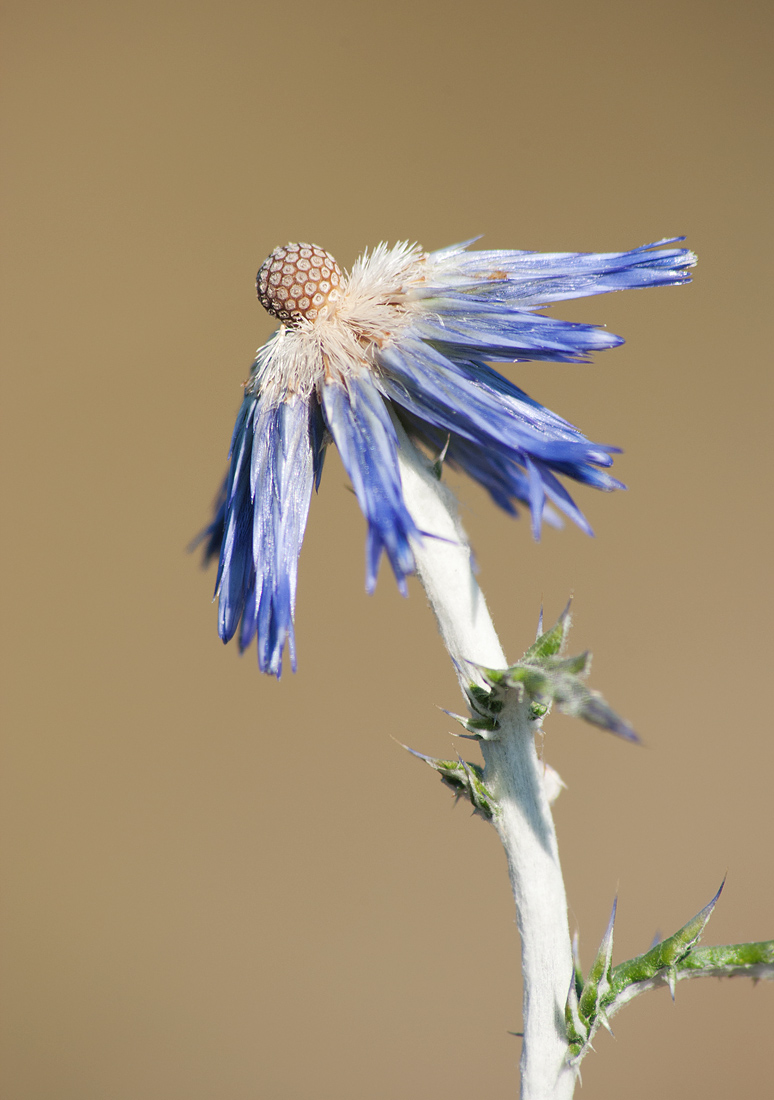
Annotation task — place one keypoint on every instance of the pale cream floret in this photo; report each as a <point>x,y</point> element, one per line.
<point>375,306</point>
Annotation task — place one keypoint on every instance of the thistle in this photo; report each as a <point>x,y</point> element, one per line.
<point>391,362</point>
<point>404,339</point>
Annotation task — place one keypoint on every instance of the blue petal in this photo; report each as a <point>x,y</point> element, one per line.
<point>212,535</point>
<point>532,279</point>
<point>236,557</point>
<point>526,408</point>
<point>357,418</point>
<point>537,495</point>
<point>498,435</point>
<point>450,396</point>
<point>512,336</point>
<point>557,493</point>
<point>275,459</point>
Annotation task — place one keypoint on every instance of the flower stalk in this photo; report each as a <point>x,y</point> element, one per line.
<point>512,773</point>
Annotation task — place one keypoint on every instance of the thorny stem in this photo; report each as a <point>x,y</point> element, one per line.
<point>512,773</point>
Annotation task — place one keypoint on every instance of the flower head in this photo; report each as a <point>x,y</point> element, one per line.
<point>408,335</point>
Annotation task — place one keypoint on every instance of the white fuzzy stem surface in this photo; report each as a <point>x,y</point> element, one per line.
<point>513,774</point>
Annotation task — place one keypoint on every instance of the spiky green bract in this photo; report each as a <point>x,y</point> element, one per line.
<point>464,779</point>
<point>664,956</point>
<point>597,984</point>
<point>607,988</point>
<point>551,643</point>
<point>485,705</point>
<point>544,677</point>
<point>578,982</point>
<point>586,1010</point>
<point>576,1027</point>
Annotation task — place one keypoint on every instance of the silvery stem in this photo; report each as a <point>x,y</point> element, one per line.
<point>513,774</point>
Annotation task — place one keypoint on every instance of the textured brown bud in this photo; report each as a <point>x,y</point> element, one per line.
<point>299,281</point>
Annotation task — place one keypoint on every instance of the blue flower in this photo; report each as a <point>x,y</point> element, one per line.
<point>407,336</point>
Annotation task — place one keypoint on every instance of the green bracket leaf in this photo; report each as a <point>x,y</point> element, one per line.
<point>666,955</point>
<point>485,706</point>
<point>544,677</point>
<point>607,989</point>
<point>597,986</point>
<point>590,1011</point>
<point>552,642</point>
<point>465,780</point>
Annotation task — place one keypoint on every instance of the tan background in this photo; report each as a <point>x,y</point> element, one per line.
<point>221,887</point>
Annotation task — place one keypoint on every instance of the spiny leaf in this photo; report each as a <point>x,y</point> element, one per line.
<point>666,955</point>
<point>474,726</point>
<point>597,984</point>
<point>576,1028</point>
<point>464,779</point>
<point>485,704</point>
<point>575,666</point>
<point>484,701</point>
<point>594,709</point>
<point>544,677</point>
<point>576,963</point>
<point>560,683</point>
<point>665,963</point>
<point>550,643</point>
<point>478,696</point>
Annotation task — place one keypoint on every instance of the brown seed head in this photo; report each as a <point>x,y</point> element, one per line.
<point>299,281</point>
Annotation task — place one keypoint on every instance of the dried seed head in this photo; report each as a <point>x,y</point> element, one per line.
<point>299,281</point>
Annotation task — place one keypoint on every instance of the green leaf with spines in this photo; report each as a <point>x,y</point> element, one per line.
<point>576,965</point>
<point>593,996</point>
<point>551,642</point>
<point>474,726</point>
<point>664,955</point>
<point>485,704</point>
<point>464,779</point>
<point>575,1026</point>
<point>478,696</point>
<point>544,677</point>
<point>678,957</point>
<point>597,984</point>
<point>574,666</point>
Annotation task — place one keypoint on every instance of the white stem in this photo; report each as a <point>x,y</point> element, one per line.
<point>512,773</point>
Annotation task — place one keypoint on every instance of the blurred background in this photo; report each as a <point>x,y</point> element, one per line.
<point>221,886</point>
